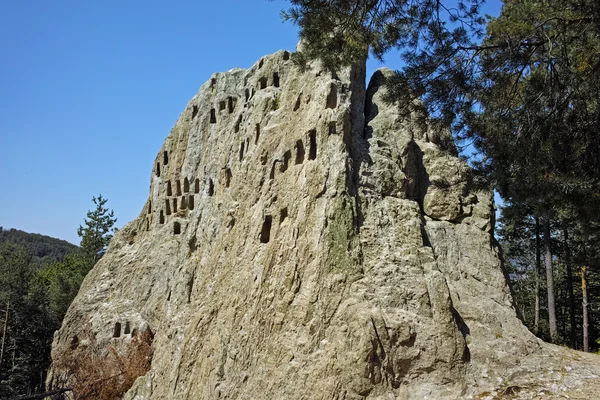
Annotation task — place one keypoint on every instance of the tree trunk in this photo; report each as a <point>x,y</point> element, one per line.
<point>51,394</point>
<point>570,289</point>
<point>4,333</point>
<point>14,352</point>
<point>550,283</point>
<point>562,310</point>
<point>585,309</point>
<point>538,269</point>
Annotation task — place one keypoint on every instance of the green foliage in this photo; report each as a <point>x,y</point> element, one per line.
<point>526,96</point>
<point>15,269</point>
<point>539,94</point>
<point>26,351</point>
<point>523,89</point>
<point>344,32</point>
<point>434,37</point>
<point>516,232</point>
<point>98,230</point>
<point>59,282</point>
<point>40,277</point>
<point>41,249</point>
<point>538,97</point>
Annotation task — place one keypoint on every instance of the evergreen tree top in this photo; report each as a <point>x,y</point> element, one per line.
<point>98,230</point>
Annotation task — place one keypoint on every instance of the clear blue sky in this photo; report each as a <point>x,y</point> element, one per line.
<point>90,89</point>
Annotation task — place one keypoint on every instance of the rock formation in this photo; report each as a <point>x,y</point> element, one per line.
<point>302,241</point>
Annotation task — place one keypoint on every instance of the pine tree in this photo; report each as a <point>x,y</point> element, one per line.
<point>523,88</point>
<point>98,230</point>
<point>26,330</point>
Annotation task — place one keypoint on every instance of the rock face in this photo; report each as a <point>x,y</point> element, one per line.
<point>301,241</point>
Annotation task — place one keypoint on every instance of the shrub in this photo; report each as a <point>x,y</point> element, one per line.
<point>104,374</point>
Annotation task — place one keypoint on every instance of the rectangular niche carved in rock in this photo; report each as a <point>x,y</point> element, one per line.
<point>257,133</point>
<point>332,128</point>
<point>221,105</point>
<point>230,104</point>
<point>74,343</point>
<point>178,187</point>
<point>162,217</point>
<point>197,186</point>
<point>263,83</point>
<point>276,79</point>
<point>117,330</point>
<point>169,191</point>
<point>213,83</point>
<point>283,215</point>
<point>312,151</point>
<point>228,177</point>
<point>186,185</point>
<point>286,55</point>
<point>265,233</point>
<point>183,204</point>
<point>332,97</point>
<point>191,202</point>
<point>286,160</point>
<point>176,228</point>
<point>168,206</point>
<point>298,101</point>
<point>165,157</point>
<point>158,169</point>
<point>242,151</point>
<point>236,127</point>
<point>299,151</point>
<point>127,330</point>
<point>149,206</point>
<point>272,174</point>
<point>211,187</point>
<point>247,94</point>
<point>174,204</point>
<point>213,116</point>
<point>194,111</point>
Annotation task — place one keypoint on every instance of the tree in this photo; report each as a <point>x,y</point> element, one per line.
<point>41,249</point>
<point>98,230</point>
<point>523,89</point>
<point>26,329</point>
<point>453,71</point>
<point>58,283</point>
<point>40,276</point>
<point>537,107</point>
<point>529,91</point>
<point>570,292</point>
<point>14,271</point>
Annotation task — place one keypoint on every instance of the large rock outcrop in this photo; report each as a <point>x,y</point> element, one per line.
<point>301,241</point>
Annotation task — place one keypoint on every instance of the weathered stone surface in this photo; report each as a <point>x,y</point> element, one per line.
<point>301,242</point>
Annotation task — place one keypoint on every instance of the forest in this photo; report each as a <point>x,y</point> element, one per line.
<point>521,95</point>
<point>40,277</point>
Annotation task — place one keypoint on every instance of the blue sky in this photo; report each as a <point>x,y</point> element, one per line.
<point>89,90</point>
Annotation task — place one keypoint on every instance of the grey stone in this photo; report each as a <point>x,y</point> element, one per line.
<point>313,245</point>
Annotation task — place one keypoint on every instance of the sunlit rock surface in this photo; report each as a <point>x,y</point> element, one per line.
<point>301,241</point>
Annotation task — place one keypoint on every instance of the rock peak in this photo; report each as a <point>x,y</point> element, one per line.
<point>301,241</point>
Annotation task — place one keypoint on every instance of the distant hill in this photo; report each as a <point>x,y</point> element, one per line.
<point>43,249</point>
